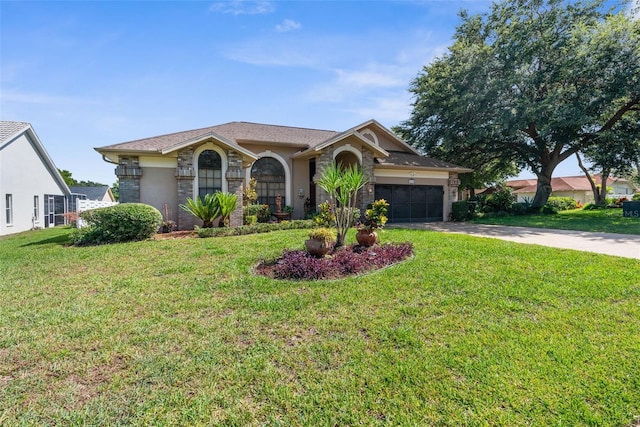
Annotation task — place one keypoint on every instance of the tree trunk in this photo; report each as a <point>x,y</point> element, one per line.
<point>602,197</point>
<point>594,188</point>
<point>543,191</point>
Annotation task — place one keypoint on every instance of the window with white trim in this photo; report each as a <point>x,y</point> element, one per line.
<point>36,208</point>
<point>9,208</point>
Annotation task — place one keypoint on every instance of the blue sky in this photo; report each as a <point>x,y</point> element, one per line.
<point>88,74</point>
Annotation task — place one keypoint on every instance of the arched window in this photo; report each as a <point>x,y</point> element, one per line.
<point>209,173</point>
<point>271,180</point>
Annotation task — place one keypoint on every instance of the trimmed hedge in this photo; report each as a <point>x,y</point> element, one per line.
<point>125,222</point>
<point>296,224</point>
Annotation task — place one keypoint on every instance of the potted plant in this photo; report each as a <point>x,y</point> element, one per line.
<point>320,241</point>
<point>375,217</point>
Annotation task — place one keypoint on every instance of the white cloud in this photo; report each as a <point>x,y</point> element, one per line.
<point>391,109</point>
<point>242,7</point>
<point>288,25</point>
<point>373,76</point>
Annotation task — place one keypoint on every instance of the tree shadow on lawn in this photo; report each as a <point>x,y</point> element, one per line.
<point>62,240</point>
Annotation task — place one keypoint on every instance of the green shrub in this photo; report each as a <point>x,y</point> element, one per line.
<point>636,197</point>
<point>125,222</point>
<point>249,219</point>
<point>562,203</point>
<point>461,211</point>
<point>261,212</point>
<point>520,208</point>
<point>500,201</point>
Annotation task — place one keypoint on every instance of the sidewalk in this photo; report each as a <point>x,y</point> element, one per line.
<point>622,245</point>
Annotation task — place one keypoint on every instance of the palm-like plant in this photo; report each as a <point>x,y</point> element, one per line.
<point>227,203</point>
<point>342,185</point>
<point>211,207</point>
<point>207,209</point>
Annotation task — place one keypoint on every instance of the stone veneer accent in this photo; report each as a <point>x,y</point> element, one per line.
<point>235,180</point>
<point>185,174</point>
<point>129,172</point>
<point>453,185</point>
<point>366,195</point>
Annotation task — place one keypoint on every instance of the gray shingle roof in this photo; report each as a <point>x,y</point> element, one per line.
<point>9,129</point>
<point>235,131</point>
<point>92,193</point>
<point>397,158</point>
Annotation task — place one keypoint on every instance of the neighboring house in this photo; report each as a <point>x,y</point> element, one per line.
<point>100,193</point>
<point>576,187</point>
<point>166,170</point>
<point>32,192</point>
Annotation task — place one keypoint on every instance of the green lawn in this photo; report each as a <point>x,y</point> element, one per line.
<point>470,331</point>
<point>600,220</point>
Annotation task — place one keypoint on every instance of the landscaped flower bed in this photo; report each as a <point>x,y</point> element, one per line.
<point>347,261</point>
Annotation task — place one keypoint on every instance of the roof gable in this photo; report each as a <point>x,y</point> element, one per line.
<point>10,131</point>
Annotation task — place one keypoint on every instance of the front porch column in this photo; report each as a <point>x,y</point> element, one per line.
<point>452,194</point>
<point>129,173</point>
<point>235,181</point>
<point>368,191</point>
<point>324,160</point>
<point>185,174</point>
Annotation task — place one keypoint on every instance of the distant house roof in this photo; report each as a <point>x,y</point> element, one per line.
<point>565,183</point>
<point>92,193</point>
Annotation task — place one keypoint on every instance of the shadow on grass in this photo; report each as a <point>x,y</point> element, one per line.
<point>62,240</point>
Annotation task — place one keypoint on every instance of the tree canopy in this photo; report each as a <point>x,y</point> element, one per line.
<point>529,84</point>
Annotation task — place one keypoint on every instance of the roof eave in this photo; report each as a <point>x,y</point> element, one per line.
<point>433,168</point>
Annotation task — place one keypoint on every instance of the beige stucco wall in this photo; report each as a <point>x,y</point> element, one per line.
<point>159,186</point>
<point>23,175</point>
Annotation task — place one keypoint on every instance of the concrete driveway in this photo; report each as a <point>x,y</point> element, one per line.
<point>622,245</point>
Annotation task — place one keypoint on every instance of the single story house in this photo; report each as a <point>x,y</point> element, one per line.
<point>33,193</point>
<point>165,170</point>
<point>576,187</point>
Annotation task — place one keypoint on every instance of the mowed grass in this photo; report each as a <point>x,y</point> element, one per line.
<point>599,220</point>
<point>470,331</point>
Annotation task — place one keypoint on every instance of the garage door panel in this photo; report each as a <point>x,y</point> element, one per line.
<point>412,203</point>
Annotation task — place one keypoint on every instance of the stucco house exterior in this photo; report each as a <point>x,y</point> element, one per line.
<point>32,192</point>
<point>286,161</point>
<point>576,187</point>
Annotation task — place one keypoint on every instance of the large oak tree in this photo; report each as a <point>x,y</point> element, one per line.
<point>530,83</point>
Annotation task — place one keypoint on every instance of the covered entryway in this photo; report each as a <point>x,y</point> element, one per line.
<point>412,203</point>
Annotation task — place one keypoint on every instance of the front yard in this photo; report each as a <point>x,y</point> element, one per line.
<point>470,331</point>
<point>599,220</point>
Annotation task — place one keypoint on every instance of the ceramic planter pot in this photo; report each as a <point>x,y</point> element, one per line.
<point>317,248</point>
<point>366,238</point>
